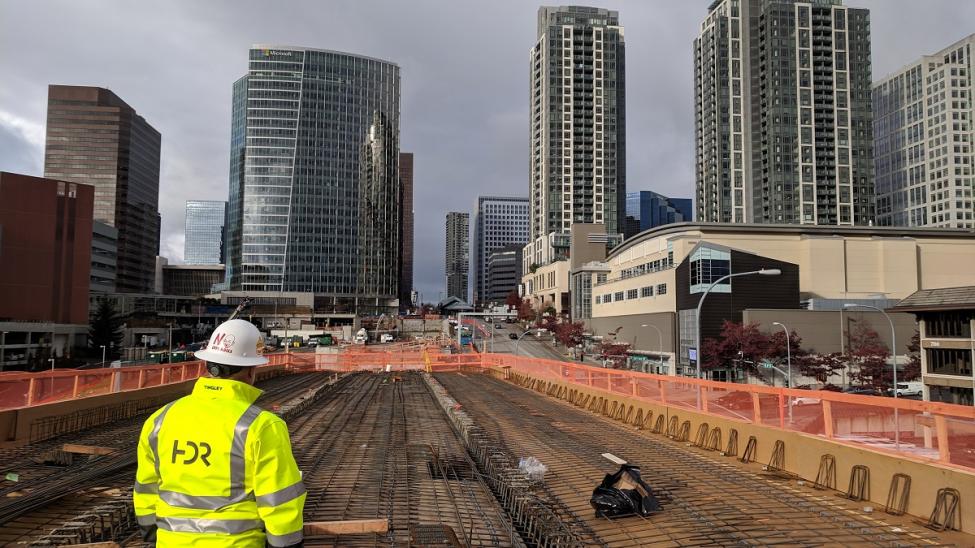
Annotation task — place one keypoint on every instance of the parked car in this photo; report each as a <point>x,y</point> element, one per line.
<point>734,400</point>
<point>912,388</point>
<point>501,326</point>
<point>806,400</point>
<point>514,336</point>
<point>862,390</point>
<point>388,337</point>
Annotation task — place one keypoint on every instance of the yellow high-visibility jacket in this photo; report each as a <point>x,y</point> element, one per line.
<point>216,471</point>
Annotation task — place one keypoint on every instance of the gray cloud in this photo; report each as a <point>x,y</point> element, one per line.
<point>465,84</point>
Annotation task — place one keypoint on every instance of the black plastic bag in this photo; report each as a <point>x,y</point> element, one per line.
<point>624,493</point>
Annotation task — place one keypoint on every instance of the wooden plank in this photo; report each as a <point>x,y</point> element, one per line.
<point>347,527</point>
<point>93,545</point>
<point>87,449</point>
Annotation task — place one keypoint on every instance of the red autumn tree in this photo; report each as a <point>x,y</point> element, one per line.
<point>870,355</point>
<point>739,346</point>
<point>569,334</point>
<point>512,300</point>
<point>525,310</point>
<point>613,351</point>
<point>823,366</point>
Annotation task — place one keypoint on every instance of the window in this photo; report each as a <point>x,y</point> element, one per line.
<point>949,362</point>
<point>618,296</point>
<point>632,294</point>
<point>661,289</point>
<point>708,265</point>
<point>646,291</point>
<point>948,324</point>
<point>608,298</point>
<point>598,299</point>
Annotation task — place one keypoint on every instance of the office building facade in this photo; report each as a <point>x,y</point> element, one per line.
<point>190,280</point>
<point>646,210</point>
<point>457,257</point>
<point>104,257</point>
<point>204,230</point>
<point>308,212</point>
<point>578,123</point>
<point>95,138</point>
<point>406,231</point>
<point>783,122</point>
<point>923,141</point>
<point>499,221</point>
<point>503,273</point>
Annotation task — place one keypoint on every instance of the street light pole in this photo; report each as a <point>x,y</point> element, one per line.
<point>893,352</point>
<point>103,355</point>
<point>170,342</point>
<point>3,350</point>
<point>52,371</point>
<point>660,342</point>
<point>700,304</point>
<point>518,341</point>
<point>788,360</point>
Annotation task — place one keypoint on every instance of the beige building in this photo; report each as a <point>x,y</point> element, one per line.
<point>946,319</point>
<point>835,265</point>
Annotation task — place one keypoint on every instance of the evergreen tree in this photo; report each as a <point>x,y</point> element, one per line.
<point>106,330</point>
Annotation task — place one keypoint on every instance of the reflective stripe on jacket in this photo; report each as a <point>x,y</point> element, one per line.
<point>215,471</point>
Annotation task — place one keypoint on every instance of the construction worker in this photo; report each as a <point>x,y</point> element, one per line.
<point>214,469</point>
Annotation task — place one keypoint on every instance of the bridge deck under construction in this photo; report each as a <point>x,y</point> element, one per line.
<point>437,455</point>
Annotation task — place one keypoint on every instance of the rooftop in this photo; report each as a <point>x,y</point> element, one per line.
<point>946,298</point>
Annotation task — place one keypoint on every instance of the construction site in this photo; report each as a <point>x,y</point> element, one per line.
<point>410,446</point>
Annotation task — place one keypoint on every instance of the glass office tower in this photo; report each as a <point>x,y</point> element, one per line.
<point>204,232</point>
<point>314,176</point>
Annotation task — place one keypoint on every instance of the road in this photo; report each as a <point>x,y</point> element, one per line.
<point>529,346</point>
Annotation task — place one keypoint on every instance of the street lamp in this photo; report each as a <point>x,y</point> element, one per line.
<point>518,341</point>
<point>700,304</point>
<point>103,354</point>
<point>660,342</point>
<point>788,360</point>
<point>52,371</point>
<point>788,351</point>
<point>170,342</point>
<point>893,352</point>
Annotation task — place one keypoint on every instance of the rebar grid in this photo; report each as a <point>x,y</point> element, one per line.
<point>708,502</point>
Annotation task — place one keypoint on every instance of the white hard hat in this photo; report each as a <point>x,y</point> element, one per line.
<point>235,342</point>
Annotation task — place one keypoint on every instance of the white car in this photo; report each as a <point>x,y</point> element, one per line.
<point>805,400</point>
<point>913,388</point>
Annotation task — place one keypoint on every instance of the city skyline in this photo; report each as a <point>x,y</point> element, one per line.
<point>185,92</point>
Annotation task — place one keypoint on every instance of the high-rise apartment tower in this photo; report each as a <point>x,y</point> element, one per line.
<point>783,121</point>
<point>578,121</point>
<point>924,140</point>
<point>457,254</point>
<point>95,138</point>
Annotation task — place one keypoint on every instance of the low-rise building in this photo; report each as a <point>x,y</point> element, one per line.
<point>946,325</point>
<point>191,279</point>
<point>657,278</point>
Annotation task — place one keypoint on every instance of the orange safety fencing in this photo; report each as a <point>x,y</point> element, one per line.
<point>19,389</point>
<point>930,431</point>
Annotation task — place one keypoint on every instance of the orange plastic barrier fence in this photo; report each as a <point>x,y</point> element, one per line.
<point>914,429</point>
<point>26,389</point>
<point>930,431</point>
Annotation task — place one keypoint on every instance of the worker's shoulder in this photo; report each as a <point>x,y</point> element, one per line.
<point>267,421</point>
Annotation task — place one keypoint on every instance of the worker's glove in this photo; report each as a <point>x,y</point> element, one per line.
<point>148,534</point>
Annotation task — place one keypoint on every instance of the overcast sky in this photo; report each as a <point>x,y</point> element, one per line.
<point>464,85</point>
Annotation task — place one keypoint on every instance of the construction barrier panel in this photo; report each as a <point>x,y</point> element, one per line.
<point>928,431</point>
